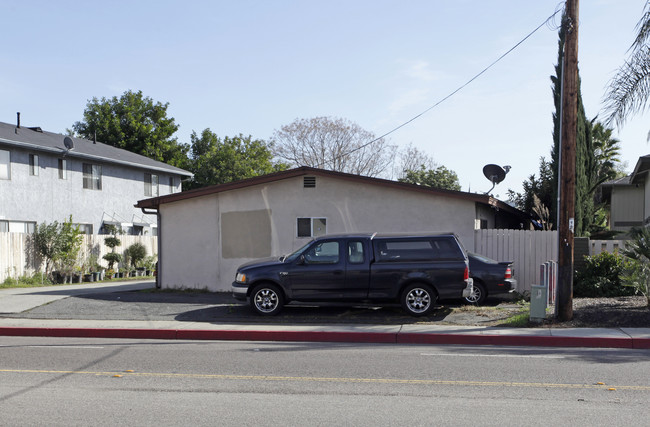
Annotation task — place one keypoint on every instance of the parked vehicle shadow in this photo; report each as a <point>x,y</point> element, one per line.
<point>307,314</point>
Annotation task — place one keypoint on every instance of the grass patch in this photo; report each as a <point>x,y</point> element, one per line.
<point>25,281</point>
<point>519,320</point>
<point>40,279</point>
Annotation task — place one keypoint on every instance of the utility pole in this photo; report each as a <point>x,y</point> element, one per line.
<point>566,226</point>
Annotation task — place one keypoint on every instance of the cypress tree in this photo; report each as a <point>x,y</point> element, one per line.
<point>585,164</point>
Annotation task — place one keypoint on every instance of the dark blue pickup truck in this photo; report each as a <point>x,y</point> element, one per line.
<point>414,270</point>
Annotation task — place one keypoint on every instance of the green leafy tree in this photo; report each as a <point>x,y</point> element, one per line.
<point>135,123</point>
<point>538,187</point>
<point>58,244</point>
<point>629,90</point>
<point>438,177</point>
<point>218,161</point>
<point>136,253</point>
<point>607,152</point>
<point>46,244</point>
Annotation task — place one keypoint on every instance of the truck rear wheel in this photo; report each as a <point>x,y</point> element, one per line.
<point>266,299</point>
<point>418,299</point>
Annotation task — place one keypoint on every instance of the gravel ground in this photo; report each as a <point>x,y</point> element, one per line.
<point>619,312</point>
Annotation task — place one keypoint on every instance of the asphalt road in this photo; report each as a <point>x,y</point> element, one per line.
<point>113,303</point>
<point>56,381</point>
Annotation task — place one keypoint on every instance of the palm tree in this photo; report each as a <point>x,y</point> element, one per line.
<point>629,90</point>
<point>606,152</point>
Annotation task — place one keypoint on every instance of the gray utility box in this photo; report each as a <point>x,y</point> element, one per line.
<point>538,302</point>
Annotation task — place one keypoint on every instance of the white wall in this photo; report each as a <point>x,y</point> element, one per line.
<point>190,236</point>
<point>46,198</point>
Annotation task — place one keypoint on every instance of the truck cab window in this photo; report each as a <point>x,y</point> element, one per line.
<point>355,253</point>
<point>323,253</point>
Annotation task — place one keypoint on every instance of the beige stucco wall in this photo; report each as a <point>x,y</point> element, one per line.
<point>627,207</point>
<point>191,237</point>
<point>190,244</point>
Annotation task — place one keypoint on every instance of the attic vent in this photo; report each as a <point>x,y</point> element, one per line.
<point>309,182</point>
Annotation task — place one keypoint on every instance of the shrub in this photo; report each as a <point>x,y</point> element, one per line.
<point>637,275</point>
<point>601,276</point>
<point>112,258</point>
<point>137,252</point>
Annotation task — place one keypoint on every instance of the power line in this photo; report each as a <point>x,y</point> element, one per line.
<point>547,21</point>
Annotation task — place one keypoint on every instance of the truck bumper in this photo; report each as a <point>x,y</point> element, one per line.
<point>239,291</point>
<point>468,289</point>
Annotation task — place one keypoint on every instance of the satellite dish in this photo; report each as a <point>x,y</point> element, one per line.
<point>495,174</point>
<point>68,142</point>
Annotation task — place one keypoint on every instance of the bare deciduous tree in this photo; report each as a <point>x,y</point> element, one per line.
<point>412,159</point>
<point>335,144</point>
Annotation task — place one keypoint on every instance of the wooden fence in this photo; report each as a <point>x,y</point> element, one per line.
<point>527,249</point>
<point>17,258</point>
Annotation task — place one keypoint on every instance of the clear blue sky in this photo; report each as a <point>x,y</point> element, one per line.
<point>252,66</point>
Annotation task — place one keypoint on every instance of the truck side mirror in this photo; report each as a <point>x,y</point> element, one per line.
<point>301,260</point>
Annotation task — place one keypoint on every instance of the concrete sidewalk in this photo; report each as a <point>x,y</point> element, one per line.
<point>22,299</point>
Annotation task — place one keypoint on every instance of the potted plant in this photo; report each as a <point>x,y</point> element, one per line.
<point>112,242</point>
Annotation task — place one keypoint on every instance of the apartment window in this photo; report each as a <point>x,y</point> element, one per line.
<point>172,187</point>
<point>63,169</point>
<point>85,228</point>
<point>33,164</point>
<point>92,176</point>
<point>311,227</point>
<point>150,185</point>
<point>17,226</point>
<point>5,164</point>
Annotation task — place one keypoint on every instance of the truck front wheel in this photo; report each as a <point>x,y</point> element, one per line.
<point>418,299</point>
<point>266,299</point>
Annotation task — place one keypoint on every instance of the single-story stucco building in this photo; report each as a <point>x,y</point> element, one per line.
<point>205,234</point>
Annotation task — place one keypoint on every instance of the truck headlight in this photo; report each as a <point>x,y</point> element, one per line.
<point>241,278</point>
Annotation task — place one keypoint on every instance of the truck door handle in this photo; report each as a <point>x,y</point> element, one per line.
<point>338,272</point>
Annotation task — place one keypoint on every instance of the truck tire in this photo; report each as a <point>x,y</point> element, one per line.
<point>418,299</point>
<point>266,299</point>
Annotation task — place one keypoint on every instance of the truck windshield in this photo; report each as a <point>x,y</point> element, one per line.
<point>292,256</point>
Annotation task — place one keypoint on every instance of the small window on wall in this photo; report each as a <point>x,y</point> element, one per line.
<point>92,176</point>
<point>85,228</point>
<point>4,226</point>
<point>150,185</point>
<point>5,164</point>
<point>33,165</point>
<point>63,169</point>
<point>311,227</point>
<point>172,187</point>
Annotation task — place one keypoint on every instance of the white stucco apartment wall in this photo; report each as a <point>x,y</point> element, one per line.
<point>47,198</point>
<point>191,230</point>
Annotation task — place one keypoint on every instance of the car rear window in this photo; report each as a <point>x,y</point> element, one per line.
<point>429,249</point>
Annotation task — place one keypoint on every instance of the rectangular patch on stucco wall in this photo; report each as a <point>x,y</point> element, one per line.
<point>246,234</point>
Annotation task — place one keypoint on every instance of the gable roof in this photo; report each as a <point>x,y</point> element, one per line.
<point>155,202</point>
<point>39,140</point>
<point>641,170</point>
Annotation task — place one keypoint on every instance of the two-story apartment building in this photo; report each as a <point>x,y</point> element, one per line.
<point>44,178</point>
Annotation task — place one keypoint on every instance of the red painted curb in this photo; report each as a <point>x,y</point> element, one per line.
<point>301,336</point>
<point>641,343</point>
<point>326,336</point>
<point>89,332</point>
<point>514,340</point>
